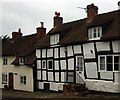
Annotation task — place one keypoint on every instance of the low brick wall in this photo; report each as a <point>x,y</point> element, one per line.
<point>69,89</point>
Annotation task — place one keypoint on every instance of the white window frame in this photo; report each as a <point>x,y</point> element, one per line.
<point>4,78</point>
<point>79,64</point>
<point>21,60</point>
<point>23,79</point>
<point>91,33</point>
<point>105,70</point>
<point>5,61</point>
<point>43,62</point>
<point>48,64</point>
<point>54,39</point>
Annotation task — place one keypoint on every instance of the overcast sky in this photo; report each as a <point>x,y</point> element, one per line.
<point>28,14</point>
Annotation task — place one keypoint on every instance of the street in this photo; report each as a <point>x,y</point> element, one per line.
<point>40,95</point>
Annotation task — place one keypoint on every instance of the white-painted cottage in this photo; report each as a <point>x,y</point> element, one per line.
<point>85,51</point>
<point>18,61</point>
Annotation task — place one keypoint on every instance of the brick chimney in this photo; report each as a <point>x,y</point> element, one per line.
<point>57,19</point>
<point>16,35</point>
<point>41,31</point>
<point>92,10</point>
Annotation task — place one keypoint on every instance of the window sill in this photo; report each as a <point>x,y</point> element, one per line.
<point>22,84</point>
<point>94,39</point>
<point>4,82</point>
<point>21,64</point>
<point>50,69</point>
<point>5,65</point>
<point>109,71</point>
<point>54,45</point>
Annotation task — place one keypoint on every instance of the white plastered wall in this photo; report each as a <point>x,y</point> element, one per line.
<point>116,46</point>
<point>56,52</point>
<point>8,68</point>
<point>23,71</point>
<point>103,46</point>
<point>69,51</point>
<point>62,51</point>
<point>89,51</point>
<point>77,49</point>
<point>38,53</point>
<point>100,85</point>
<point>91,70</point>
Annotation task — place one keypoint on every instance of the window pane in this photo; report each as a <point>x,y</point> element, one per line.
<point>98,32</point>
<point>109,59</point>
<point>102,60</point>
<point>102,66</point>
<point>116,63</point>
<point>116,59</point>
<point>95,33</point>
<point>44,64</point>
<point>79,64</point>
<point>4,61</point>
<point>90,33</point>
<point>50,64</point>
<point>116,67</point>
<point>102,63</point>
<point>24,79</point>
<point>21,79</point>
<point>109,63</point>
<point>4,77</point>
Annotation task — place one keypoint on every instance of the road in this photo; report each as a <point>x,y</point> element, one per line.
<point>21,95</point>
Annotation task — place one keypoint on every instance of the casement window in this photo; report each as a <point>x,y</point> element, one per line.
<point>5,61</point>
<point>54,39</point>
<point>109,63</point>
<point>44,64</point>
<point>50,64</point>
<point>4,78</point>
<point>22,79</point>
<point>70,77</point>
<point>79,63</point>
<point>94,33</point>
<point>21,60</point>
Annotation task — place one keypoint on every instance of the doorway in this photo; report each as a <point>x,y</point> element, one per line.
<point>10,80</point>
<point>79,70</point>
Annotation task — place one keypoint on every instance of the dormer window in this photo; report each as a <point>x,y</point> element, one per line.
<point>21,60</point>
<point>94,33</point>
<point>54,39</point>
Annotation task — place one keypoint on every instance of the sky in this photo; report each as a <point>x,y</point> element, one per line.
<point>27,14</point>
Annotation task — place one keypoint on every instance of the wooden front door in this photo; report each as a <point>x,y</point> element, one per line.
<point>10,80</point>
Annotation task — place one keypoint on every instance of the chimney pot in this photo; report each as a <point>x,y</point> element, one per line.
<point>19,30</point>
<point>42,24</point>
<point>57,19</point>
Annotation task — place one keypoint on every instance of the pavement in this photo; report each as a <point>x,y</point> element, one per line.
<point>40,95</point>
